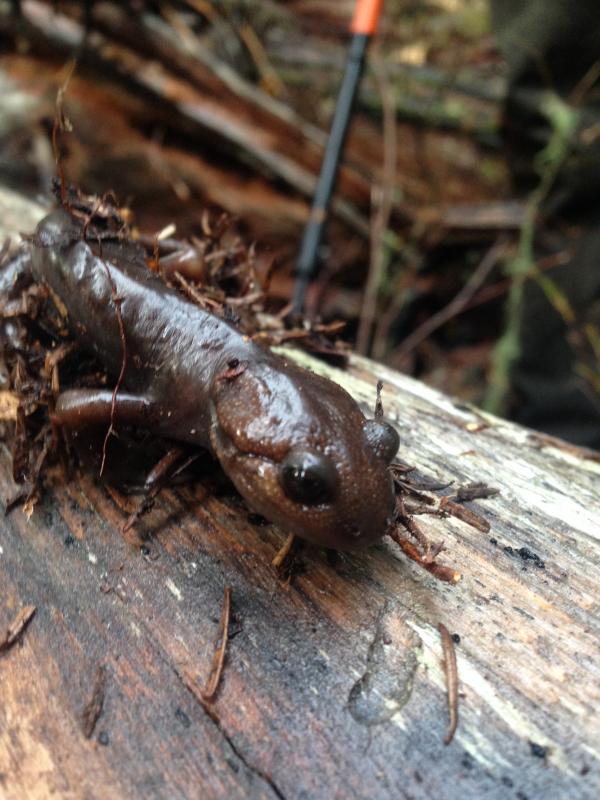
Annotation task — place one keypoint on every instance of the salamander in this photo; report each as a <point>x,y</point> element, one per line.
<point>295,445</point>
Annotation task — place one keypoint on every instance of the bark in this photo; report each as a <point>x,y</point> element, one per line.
<point>332,686</point>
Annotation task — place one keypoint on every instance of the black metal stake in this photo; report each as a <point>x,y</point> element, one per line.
<point>311,239</point>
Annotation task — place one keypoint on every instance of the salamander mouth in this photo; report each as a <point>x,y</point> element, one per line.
<point>228,452</point>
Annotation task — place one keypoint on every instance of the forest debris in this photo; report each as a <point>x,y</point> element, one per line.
<point>283,552</point>
<point>17,626</point>
<point>465,514</point>
<point>214,94</point>
<point>93,708</point>
<point>503,215</point>
<point>451,680</point>
<point>493,256</point>
<point>439,571</point>
<point>20,447</point>
<point>475,491</point>
<point>9,402</point>
<point>525,554</point>
<point>18,498</point>
<point>155,481</point>
<point>426,552</point>
<point>382,200</point>
<point>218,661</point>
<point>476,427</point>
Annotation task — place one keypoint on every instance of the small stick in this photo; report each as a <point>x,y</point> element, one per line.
<point>155,481</point>
<point>18,498</point>
<point>460,302</point>
<point>195,296</point>
<point>283,551</point>
<point>16,627</point>
<point>451,680</point>
<point>465,514</point>
<point>62,124</point>
<point>93,707</point>
<point>475,491</point>
<point>378,404</point>
<point>216,669</point>
<point>411,526</point>
<point>439,571</point>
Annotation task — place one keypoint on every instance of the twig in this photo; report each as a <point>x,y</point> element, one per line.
<point>500,288</point>
<point>465,514</point>
<point>269,79</point>
<point>378,414</point>
<point>475,491</point>
<point>93,707</point>
<point>458,303</point>
<point>216,669</point>
<point>415,531</point>
<point>582,89</point>
<point>451,680</point>
<point>381,218</point>
<point>61,124</point>
<point>155,481</point>
<point>16,627</point>
<point>283,552</point>
<point>195,296</point>
<point>439,571</point>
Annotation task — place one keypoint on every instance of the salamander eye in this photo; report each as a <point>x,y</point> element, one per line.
<point>308,477</point>
<point>382,438</point>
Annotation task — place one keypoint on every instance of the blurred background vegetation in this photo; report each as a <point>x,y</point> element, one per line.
<point>183,105</point>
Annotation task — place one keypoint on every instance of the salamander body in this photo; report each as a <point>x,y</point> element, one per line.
<point>296,445</point>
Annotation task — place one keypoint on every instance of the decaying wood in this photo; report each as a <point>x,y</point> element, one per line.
<point>333,686</point>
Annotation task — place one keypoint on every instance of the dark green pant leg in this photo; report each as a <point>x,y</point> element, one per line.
<point>555,45</point>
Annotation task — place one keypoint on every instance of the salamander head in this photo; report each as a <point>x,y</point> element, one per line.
<point>299,450</point>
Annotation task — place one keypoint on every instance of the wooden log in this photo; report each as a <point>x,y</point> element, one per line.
<point>333,686</point>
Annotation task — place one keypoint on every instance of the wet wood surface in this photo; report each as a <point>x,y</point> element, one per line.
<point>333,686</point>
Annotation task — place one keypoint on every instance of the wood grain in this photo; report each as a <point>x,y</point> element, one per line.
<point>333,687</point>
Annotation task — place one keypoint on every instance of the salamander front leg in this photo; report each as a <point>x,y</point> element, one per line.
<point>81,408</point>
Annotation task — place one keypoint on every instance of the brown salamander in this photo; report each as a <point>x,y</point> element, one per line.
<point>296,445</point>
